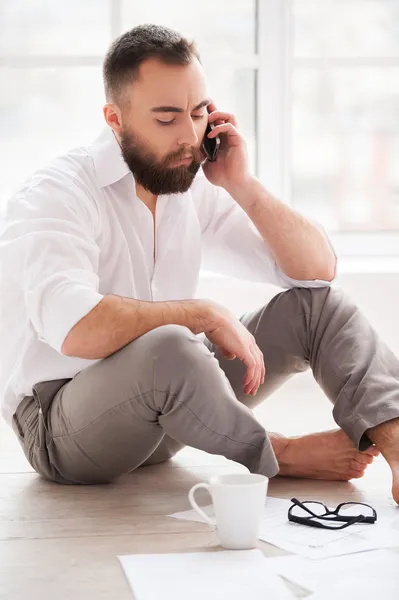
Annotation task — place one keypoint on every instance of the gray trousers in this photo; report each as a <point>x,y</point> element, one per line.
<point>168,389</point>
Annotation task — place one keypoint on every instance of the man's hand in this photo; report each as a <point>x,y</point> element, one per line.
<point>298,246</point>
<point>231,168</point>
<point>223,329</point>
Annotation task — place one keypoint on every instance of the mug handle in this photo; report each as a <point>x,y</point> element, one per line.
<point>195,505</point>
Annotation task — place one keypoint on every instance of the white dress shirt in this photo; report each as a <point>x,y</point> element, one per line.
<point>76,231</point>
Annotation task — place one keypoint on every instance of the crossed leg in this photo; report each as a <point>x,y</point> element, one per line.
<point>322,329</point>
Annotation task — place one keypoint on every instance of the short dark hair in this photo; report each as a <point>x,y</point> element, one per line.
<point>132,48</point>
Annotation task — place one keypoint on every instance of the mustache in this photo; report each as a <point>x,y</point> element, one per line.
<point>197,155</point>
<point>160,176</point>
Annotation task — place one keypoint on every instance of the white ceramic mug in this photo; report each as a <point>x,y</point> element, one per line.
<point>239,501</point>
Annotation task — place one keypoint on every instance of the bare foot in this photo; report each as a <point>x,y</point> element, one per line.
<point>326,455</point>
<point>386,439</point>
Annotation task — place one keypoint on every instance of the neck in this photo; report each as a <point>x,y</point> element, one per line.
<point>149,199</point>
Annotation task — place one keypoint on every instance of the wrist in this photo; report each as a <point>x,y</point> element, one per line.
<point>209,315</point>
<point>243,190</point>
<point>197,314</point>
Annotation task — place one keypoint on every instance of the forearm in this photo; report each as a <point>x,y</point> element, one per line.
<point>116,321</point>
<point>298,246</point>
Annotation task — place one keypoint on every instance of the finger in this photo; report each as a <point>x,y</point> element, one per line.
<point>261,365</point>
<point>255,387</point>
<point>249,377</point>
<point>218,115</point>
<point>262,381</point>
<point>258,370</point>
<point>227,128</point>
<point>227,354</point>
<point>211,106</point>
<point>250,364</point>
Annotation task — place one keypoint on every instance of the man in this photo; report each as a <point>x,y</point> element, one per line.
<point>103,368</point>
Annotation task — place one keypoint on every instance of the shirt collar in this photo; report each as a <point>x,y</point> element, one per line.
<point>108,160</point>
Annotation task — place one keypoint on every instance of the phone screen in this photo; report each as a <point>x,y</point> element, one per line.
<point>210,146</point>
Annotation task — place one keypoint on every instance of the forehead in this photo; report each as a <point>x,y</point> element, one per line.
<point>159,84</point>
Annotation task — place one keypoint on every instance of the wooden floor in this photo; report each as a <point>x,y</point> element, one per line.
<point>62,541</point>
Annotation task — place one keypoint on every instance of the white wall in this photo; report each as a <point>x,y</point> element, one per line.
<point>299,406</point>
<point>377,294</point>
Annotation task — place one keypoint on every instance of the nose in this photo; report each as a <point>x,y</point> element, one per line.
<point>188,135</point>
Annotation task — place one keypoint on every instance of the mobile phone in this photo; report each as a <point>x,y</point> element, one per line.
<point>210,146</point>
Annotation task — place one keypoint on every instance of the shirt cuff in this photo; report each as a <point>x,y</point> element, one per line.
<point>311,283</point>
<point>75,304</point>
<point>57,305</point>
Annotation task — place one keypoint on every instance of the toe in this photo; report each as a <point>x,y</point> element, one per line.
<point>364,459</point>
<point>355,474</point>
<point>357,466</point>
<point>372,451</point>
<point>395,481</point>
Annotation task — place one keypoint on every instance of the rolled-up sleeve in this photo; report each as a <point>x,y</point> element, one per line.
<point>290,283</point>
<point>232,245</point>
<point>48,247</point>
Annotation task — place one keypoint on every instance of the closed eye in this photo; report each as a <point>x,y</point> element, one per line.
<point>195,117</point>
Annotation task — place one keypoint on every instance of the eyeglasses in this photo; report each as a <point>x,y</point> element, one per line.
<point>316,514</point>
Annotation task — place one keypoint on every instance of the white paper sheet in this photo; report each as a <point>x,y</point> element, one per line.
<point>355,589</point>
<point>383,534</point>
<point>275,525</point>
<point>350,545</point>
<point>192,515</point>
<point>314,575</point>
<point>277,530</point>
<point>234,575</point>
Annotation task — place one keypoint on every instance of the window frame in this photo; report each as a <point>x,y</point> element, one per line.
<point>273,65</point>
<point>116,27</point>
<point>274,111</point>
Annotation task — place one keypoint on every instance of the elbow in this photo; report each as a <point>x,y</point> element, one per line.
<point>327,271</point>
<point>322,272</point>
<point>331,270</point>
<point>70,347</point>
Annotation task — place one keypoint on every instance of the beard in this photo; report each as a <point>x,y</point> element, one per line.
<point>157,176</point>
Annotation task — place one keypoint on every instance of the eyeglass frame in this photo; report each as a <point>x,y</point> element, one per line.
<point>329,515</point>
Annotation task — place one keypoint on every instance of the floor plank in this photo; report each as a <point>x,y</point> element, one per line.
<point>63,541</point>
<point>81,568</point>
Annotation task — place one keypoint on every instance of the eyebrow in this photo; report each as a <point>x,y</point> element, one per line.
<point>176,109</point>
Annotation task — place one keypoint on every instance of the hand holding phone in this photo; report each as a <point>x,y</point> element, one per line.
<point>210,146</point>
<point>231,168</point>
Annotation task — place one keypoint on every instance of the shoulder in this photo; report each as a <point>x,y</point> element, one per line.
<point>65,186</point>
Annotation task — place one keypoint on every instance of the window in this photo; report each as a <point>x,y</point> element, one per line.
<point>314,84</point>
<point>336,65</point>
<point>50,80</point>
<point>51,55</point>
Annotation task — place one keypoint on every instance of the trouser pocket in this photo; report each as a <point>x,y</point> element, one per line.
<point>44,393</point>
<point>24,425</point>
<point>32,426</point>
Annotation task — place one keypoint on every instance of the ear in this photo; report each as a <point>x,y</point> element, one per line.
<point>113,117</point>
